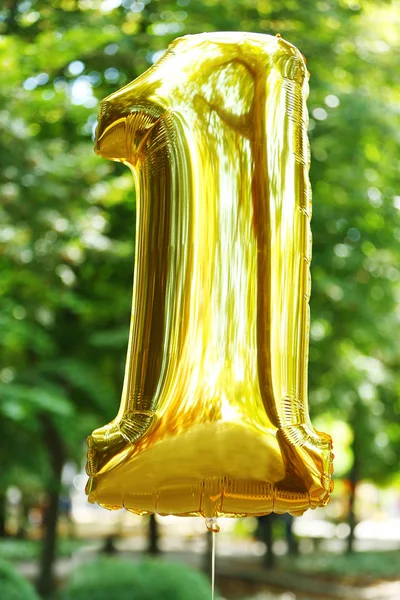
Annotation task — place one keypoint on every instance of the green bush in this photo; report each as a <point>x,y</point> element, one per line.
<point>13,586</point>
<point>114,579</point>
<point>373,564</point>
<point>12,549</point>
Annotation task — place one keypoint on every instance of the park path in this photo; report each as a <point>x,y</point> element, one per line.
<point>244,576</point>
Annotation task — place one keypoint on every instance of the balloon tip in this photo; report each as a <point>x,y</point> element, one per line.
<point>212,525</point>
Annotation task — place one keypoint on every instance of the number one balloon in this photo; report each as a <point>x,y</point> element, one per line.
<point>214,417</point>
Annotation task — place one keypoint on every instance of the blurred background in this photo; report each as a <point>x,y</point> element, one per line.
<point>66,262</point>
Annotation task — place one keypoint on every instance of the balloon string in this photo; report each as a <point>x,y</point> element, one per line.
<point>213,566</point>
<point>213,528</point>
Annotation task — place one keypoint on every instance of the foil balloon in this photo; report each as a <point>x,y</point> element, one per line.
<point>214,416</point>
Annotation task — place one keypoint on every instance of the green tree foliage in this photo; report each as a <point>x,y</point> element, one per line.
<point>67,216</point>
<point>355,147</point>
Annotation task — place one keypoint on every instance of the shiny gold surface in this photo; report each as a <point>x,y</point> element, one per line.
<point>213,416</point>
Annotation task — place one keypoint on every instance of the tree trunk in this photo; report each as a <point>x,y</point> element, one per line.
<point>354,476</point>
<point>153,547</point>
<point>352,513</point>
<point>23,518</point>
<point>109,545</point>
<point>55,450</point>
<point>207,559</point>
<point>269,558</point>
<point>293,548</point>
<point>3,530</point>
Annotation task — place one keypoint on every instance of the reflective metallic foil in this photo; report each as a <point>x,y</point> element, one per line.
<point>213,417</point>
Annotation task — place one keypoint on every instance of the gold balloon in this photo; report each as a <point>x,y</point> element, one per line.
<point>214,418</point>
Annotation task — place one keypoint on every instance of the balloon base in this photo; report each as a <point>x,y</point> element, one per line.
<point>216,469</point>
